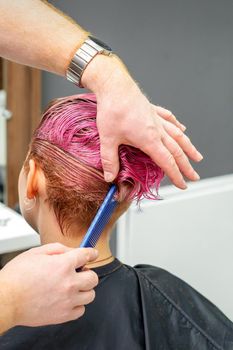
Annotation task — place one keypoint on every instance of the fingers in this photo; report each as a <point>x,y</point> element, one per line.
<point>180,158</point>
<point>170,155</point>
<point>169,116</point>
<point>70,315</point>
<point>86,280</point>
<point>109,158</point>
<point>164,159</point>
<point>85,298</point>
<point>183,141</point>
<point>51,249</point>
<point>78,257</point>
<point>77,312</point>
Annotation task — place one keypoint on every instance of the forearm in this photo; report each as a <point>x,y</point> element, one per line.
<point>34,33</point>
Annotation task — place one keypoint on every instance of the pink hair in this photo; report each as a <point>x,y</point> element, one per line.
<point>70,124</point>
<point>66,146</point>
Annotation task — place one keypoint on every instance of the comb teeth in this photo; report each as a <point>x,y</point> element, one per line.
<point>103,220</point>
<point>100,220</point>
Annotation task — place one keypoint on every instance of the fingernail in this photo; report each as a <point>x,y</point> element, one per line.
<point>200,156</point>
<point>108,177</point>
<point>183,127</point>
<point>184,185</point>
<point>96,253</point>
<point>196,176</point>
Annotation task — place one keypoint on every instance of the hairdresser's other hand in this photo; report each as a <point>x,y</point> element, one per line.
<point>41,286</point>
<point>125,116</point>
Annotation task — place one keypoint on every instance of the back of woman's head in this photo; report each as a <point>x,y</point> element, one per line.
<point>66,147</point>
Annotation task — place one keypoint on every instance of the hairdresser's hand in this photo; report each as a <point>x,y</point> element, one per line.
<point>41,286</point>
<point>125,116</point>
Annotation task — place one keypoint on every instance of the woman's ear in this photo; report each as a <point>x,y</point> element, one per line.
<point>35,183</point>
<point>32,180</point>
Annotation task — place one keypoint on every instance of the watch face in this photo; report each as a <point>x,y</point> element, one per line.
<point>101,43</point>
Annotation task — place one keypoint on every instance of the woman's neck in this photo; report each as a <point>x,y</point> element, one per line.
<point>50,232</point>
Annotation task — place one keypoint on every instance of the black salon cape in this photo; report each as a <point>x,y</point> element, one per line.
<point>144,307</point>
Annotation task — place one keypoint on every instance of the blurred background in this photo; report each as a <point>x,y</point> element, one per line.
<point>181,54</point>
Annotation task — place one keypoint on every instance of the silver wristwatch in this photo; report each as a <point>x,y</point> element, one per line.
<point>89,49</point>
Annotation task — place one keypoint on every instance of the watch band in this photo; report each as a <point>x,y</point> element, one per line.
<point>89,49</point>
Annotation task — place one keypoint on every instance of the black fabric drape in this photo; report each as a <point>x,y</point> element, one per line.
<point>140,308</point>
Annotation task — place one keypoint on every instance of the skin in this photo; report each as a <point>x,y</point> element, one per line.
<point>53,293</point>
<point>135,121</point>
<point>73,290</point>
<point>41,215</point>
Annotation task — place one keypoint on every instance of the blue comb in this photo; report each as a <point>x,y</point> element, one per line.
<point>100,220</point>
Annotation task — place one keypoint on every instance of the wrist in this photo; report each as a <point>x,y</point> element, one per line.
<point>101,70</point>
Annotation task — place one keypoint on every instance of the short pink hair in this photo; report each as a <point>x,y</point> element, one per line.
<point>66,146</point>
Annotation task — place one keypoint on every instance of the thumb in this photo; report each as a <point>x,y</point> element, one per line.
<point>78,257</point>
<point>51,249</point>
<point>110,159</point>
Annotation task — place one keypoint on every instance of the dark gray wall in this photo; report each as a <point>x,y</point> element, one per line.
<point>181,53</point>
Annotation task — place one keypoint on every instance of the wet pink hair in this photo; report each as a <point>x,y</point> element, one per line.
<point>66,146</point>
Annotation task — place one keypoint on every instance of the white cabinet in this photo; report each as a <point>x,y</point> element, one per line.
<point>15,233</point>
<point>189,233</point>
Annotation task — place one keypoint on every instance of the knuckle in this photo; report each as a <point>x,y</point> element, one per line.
<point>93,278</point>
<point>80,311</point>
<point>170,114</point>
<point>107,163</point>
<point>84,254</point>
<point>178,153</point>
<point>91,296</point>
<point>107,140</point>
<point>178,133</point>
<point>89,280</point>
<point>153,136</point>
<point>171,161</point>
<point>70,288</point>
<point>151,133</point>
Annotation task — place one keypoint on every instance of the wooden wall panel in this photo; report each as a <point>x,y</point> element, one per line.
<point>1,73</point>
<point>23,86</point>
